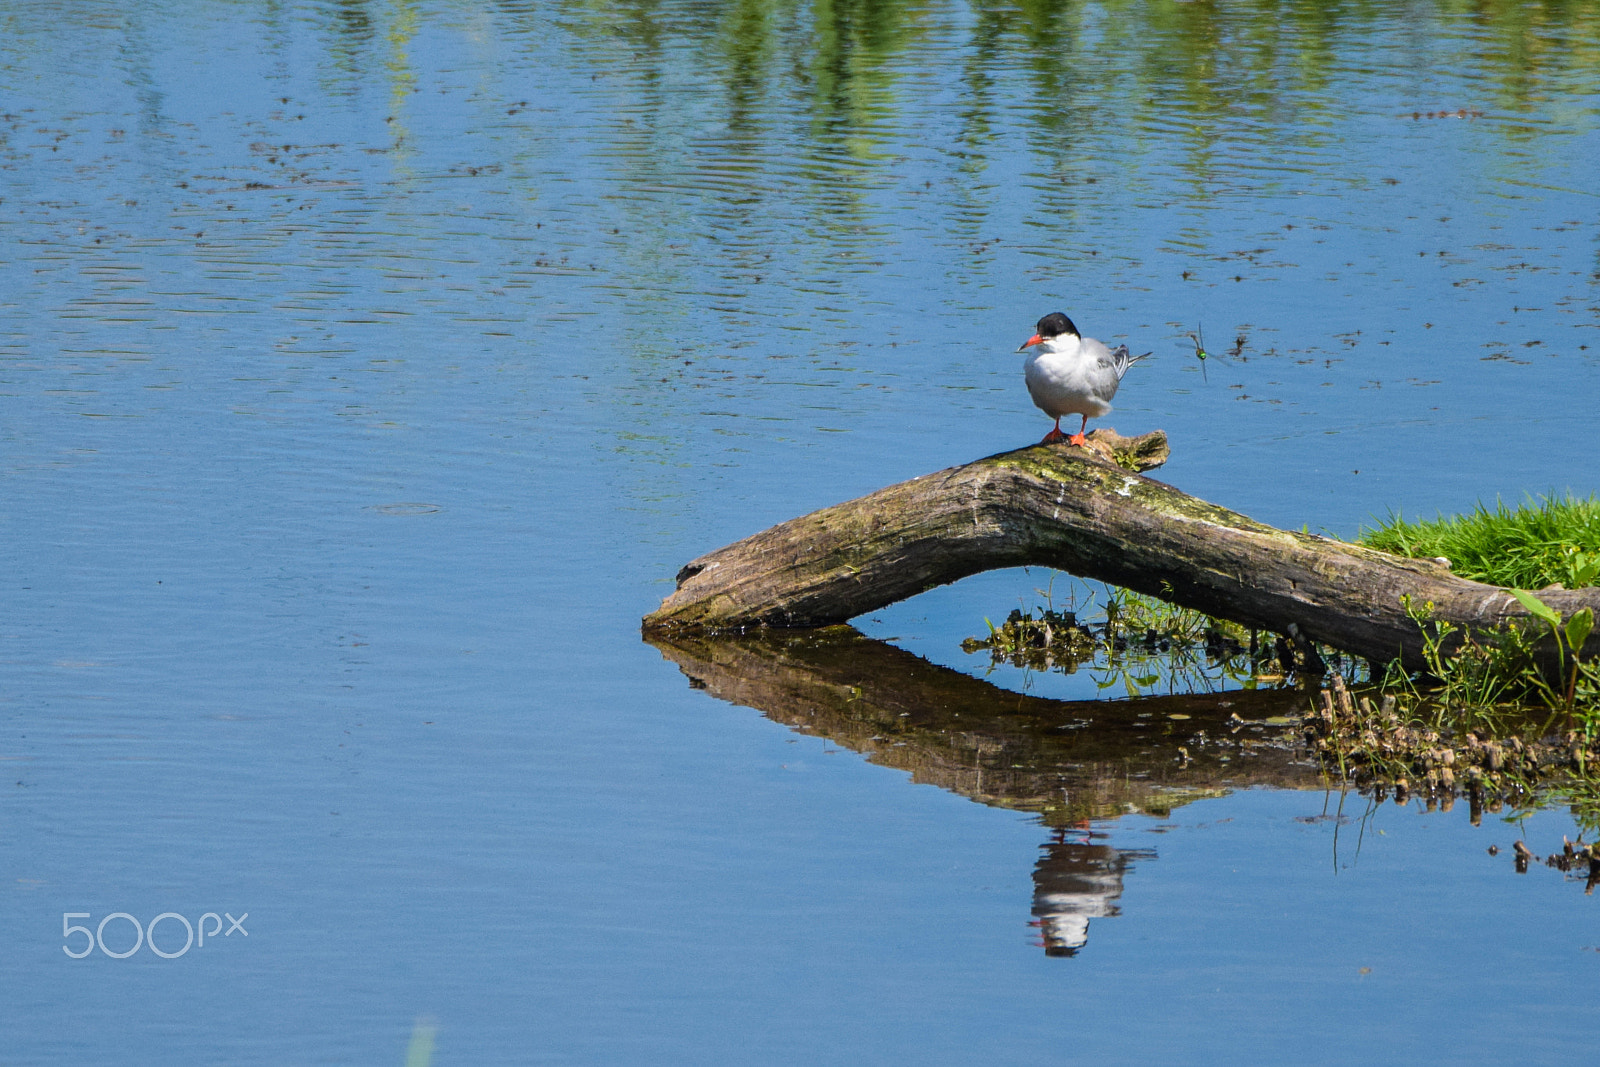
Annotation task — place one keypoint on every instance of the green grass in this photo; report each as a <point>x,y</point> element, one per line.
<point>1489,707</point>
<point>1534,545</point>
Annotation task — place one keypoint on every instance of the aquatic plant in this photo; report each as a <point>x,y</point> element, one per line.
<point>1143,644</point>
<point>1500,684</point>
<point>1571,669</point>
<point>1487,716</point>
<point>1508,716</point>
<point>1507,667</point>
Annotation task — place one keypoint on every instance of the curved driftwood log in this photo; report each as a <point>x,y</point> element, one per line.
<point>1078,511</point>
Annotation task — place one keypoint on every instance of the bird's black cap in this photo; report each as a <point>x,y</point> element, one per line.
<point>1055,324</point>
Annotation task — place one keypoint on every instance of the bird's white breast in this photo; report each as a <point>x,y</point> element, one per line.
<point>1071,376</point>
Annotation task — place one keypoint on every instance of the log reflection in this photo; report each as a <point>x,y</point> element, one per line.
<point>1067,760</point>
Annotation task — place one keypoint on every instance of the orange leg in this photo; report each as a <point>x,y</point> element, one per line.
<point>1077,438</point>
<point>1055,434</point>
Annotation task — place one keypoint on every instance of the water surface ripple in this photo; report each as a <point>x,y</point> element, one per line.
<point>369,367</point>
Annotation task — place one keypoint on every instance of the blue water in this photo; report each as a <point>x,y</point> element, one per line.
<point>368,369</point>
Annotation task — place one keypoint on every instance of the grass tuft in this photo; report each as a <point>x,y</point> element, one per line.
<point>1543,542</point>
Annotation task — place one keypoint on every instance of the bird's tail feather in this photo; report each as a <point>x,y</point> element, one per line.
<point>1122,361</point>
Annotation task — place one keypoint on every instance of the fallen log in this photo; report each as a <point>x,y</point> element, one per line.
<point>1083,511</point>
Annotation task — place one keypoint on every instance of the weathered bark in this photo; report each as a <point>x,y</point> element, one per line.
<point>1067,760</point>
<point>1077,511</point>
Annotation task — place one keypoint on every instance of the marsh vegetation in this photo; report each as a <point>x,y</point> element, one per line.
<point>1508,717</point>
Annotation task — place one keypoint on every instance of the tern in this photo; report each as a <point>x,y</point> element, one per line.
<point>1069,374</point>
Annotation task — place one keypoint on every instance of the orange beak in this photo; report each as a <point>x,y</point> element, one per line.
<point>1030,342</point>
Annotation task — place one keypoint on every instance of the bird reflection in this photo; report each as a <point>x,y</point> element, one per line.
<point>1074,881</point>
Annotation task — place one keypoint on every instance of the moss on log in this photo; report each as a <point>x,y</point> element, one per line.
<point>1080,510</point>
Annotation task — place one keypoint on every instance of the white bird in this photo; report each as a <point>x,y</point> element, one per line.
<point>1072,375</point>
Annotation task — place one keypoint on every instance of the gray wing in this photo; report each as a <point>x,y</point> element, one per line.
<point>1116,363</point>
<point>1119,361</point>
